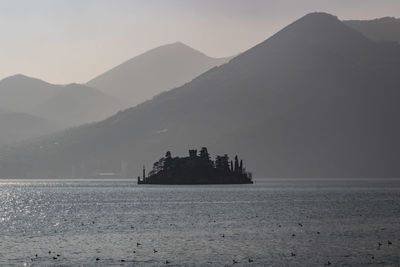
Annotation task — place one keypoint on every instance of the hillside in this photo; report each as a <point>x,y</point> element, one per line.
<point>76,104</point>
<point>16,127</point>
<point>317,99</point>
<point>22,93</point>
<point>153,72</point>
<point>65,105</point>
<point>381,30</point>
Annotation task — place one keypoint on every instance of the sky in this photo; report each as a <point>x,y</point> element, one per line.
<point>66,41</point>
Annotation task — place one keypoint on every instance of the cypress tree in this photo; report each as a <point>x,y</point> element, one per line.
<point>236,164</point>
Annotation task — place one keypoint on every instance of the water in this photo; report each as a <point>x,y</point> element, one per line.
<point>200,225</point>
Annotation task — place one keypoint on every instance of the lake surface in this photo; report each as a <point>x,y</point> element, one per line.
<point>273,223</point>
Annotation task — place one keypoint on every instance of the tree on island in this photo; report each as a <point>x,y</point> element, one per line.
<point>197,168</point>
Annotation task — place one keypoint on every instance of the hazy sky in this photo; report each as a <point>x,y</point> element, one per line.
<point>64,41</point>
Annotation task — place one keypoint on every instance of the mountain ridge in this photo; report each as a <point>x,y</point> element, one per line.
<point>18,126</point>
<point>33,90</point>
<point>317,99</point>
<point>386,29</point>
<point>77,104</point>
<point>52,107</point>
<point>154,71</point>
<point>21,93</point>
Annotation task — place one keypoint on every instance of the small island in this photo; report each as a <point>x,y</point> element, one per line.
<point>197,168</point>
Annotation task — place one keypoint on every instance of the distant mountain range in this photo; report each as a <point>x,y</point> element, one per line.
<point>75,104</point>
<point>153,72</point>
<point>18,126</point>
<point>22,93</point>
<point>31,107</point>
<point>63,106</point>
<point>317,99</point>
<point>381,30</point>
<point>68,105</point>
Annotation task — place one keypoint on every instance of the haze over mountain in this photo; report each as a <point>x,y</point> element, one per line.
<point>317,99</point>
<point>30,107</point>
<point>63,104</point>
<point>76,104</point>
<point>385,29</point>
<point>160,69</point>
<point>18,126</point>
<point>22,93</point>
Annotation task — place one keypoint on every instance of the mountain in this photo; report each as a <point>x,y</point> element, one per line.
<point>66,105</point>
<point>16,127</point>
<point>153,72</point>
<point>22,93</point>
<point>76,104</point>
<point>317,99</point>
<point>31,107</point>
<point>385,29</point>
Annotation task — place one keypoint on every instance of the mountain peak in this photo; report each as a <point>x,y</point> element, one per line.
<point>318,22</point>
<point>323,26</point>
<point>314,21</point>
<point>312,34</point>
<point>179,44</point>
<point>173,64</point>
<point>18,76</point>
<point>21,79</point>
<point>177,47</point>
<point>320,16</point>
<point>175,44</point>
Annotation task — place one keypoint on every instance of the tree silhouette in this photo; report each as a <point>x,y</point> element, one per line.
<point>167,161</point>
<point>204,154</point>
<point>197,170</point>
<point>236,164</point>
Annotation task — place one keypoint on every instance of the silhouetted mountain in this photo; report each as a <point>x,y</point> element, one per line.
<point>381,30</point>
<point>153,72</point>
<point>17,127</point>
<point>317,99</point>
<point>64,104</point>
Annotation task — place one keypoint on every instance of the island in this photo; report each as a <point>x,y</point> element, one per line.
<point>197,168</point>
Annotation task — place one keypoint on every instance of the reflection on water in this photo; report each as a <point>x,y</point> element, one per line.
<point>273,222</point>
